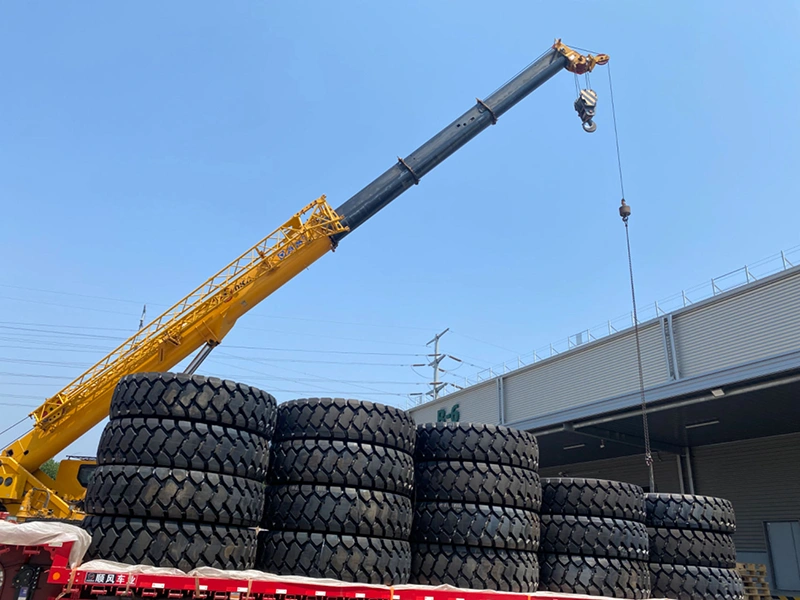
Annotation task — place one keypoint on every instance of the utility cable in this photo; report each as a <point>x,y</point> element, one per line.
<point>625,212</point>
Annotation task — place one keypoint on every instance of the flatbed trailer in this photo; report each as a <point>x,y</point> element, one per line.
<point>50,571</point>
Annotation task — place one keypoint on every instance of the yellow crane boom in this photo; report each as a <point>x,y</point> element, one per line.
<point>204,317</point>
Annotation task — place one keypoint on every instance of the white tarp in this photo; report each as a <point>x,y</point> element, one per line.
<point>44,533</point>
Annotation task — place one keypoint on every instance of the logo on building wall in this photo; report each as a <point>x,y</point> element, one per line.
<point>453,416</point>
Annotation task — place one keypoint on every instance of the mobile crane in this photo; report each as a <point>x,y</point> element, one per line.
<point>203,318</point>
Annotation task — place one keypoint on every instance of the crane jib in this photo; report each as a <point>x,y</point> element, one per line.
<point>407,172</point>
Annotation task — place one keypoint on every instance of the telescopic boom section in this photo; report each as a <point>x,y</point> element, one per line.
<point>206,315</point>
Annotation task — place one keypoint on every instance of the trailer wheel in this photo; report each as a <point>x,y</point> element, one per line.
<point>184,445</point>
<point>592,498</point>
<point>163,493</point>
<point>346,420</point>
<point>594,536</point>
<point>184,546</point>
<point>594,576</point>
<point>340,510</point>
<point>347,558</point>
<point>682,511</point>
<point>478,483</point>
<point>474,567</point>
<point>684,582</point>
<point>195,398</point>
<point>476,525</point>
<point>339,463</point>
<point>478,443</point>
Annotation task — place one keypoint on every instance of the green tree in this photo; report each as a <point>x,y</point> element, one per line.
<point>50,468</point>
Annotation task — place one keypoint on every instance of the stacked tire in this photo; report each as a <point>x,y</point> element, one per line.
<point>594,538</point>
<point>692,555</point>
<point>340,499</point>
<point>476,522</point>
<point>181,476</point>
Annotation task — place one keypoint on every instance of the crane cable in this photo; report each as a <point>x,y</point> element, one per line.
<point>625,212</point>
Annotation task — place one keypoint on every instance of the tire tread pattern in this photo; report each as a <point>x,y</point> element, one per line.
<point>592,498</point>
<point>594,536</point>
<point>346,420</point>
<point>684,511</point>
<point>692,547</point>
<point>477,442</point>
<point>594,576</point>
<point>685,582</point>
<point>184,546</point>
<point>176,494</point>
<point>474,567</point>
<point>478,483</point>
<point>339,510</point>
<point>184,445</point>
<point>195,398</point>
<point>346,558</point>
<point>476,525</point>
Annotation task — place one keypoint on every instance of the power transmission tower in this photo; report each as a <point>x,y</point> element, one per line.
<point>436,387</point>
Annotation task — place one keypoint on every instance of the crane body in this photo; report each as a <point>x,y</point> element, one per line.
<point>203,318</point>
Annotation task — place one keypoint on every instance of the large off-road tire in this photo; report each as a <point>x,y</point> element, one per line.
<point>346,464</point>
<point>347,558</point>
<point>340,510</point>
<point>477,443</point>
<point>346,420</point>
<point>683,582</point>
<point>682,511</point>
<point>692,547</point>
<point>474,567</point>
<point>184,445</point>
<point>592,498</point>
<point>184,546</point>
<point>163,493</point>
<point>594,576</point>
<point>594,536</point>
<point>476,525</point>
<point>195,398</point>
<point>478,483</point>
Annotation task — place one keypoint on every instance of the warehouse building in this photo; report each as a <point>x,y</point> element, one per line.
<point>722,385</point>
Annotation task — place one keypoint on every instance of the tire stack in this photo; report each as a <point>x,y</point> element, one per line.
<point>594,538</point>
<point>181,476</point>
<point>340,499</point>
<point>692,555</point>
<point>476,522</point>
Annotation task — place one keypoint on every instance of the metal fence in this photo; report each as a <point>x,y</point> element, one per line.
<point>776,263</point>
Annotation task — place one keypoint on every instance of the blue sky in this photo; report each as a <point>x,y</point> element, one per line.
<point>145,145</point>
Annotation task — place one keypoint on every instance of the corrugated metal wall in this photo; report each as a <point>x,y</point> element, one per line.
<point>755,323</point>
<point>478,404</point>
<point>580,377</point>
<point>629,468</point>
<point>761,477</point>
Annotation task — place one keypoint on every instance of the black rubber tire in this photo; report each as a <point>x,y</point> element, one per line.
<point>682,511</point>
<point>346,558</point>
<point>592,498</point>
<point>476,525</point>
<point>477,442</point>
<point>683,582</point>
<point>594,576</point>
<point>184,445</point>
<point>184,546</point>
<point>593,536</point>
<point>177,494</point>
<point>478,483</point>
<point>472,567</point>
<point>346,420</point>
<point>346,464</point>
<point>195,398</point>
<point>340,510</point>
<point>692,547</point>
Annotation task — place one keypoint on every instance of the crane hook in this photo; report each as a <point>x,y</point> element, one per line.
<point>585,106</point>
